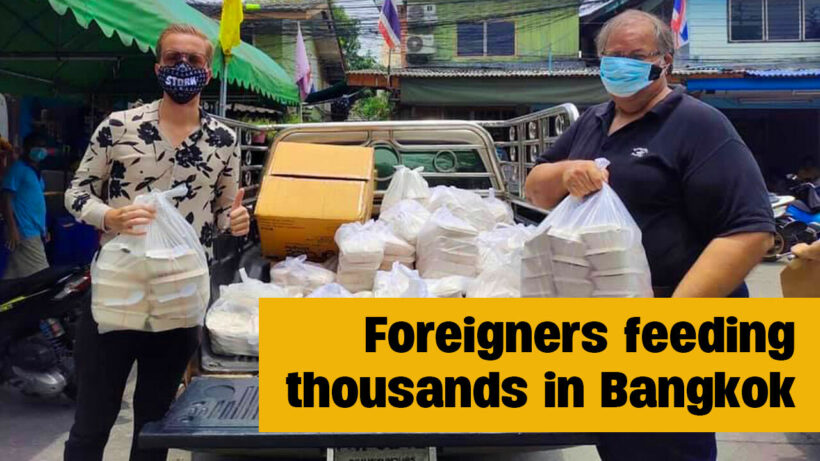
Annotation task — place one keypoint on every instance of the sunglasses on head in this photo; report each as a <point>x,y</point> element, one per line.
<point>172,58</point>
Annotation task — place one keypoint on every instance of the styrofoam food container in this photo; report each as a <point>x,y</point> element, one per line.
<point>573,288</point>
<point>614,281</point>
<point>164,262</point>
<point>563,243</point>
<point>537,287</point>
<point>570,268</point>
<point>434,268</point>
<point>610,259</point>
<point>534,266</point>
<point>354,281</point>
<point>601,237</point>
<point>357,265</point>
<point>180,307</point>
<point>112,318</point>
<point>537,245</point>
<point>182,284</point>
<point>116,292</point>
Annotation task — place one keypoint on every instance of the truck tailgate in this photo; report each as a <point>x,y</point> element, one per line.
<point>222,415</point>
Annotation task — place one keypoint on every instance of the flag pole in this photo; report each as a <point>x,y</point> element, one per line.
<point>223,87</point>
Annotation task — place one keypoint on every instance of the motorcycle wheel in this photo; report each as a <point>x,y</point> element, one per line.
<point>777,249</point>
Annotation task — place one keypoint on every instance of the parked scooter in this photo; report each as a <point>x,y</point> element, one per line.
<point>38,315</point>
<point>800,222</point>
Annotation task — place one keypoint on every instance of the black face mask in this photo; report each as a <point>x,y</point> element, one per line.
<point>182,81</point>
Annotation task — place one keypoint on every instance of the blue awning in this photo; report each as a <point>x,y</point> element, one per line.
<point>753,84</point>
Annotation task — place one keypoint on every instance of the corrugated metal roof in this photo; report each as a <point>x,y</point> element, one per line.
<point>784,73</point>
<point>433,72</point>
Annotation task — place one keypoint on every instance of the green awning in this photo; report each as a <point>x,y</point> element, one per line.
<point>44,52</point>
<point>502,91</point>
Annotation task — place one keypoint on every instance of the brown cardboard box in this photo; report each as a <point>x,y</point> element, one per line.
<point>801,279</point>
<point>308,192</point>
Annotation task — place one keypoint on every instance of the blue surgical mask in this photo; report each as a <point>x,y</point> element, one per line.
<point>37,154</point>
<point>625,76</point>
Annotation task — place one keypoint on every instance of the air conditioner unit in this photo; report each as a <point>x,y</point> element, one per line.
<point>421,14</point>
<point>421,44</point>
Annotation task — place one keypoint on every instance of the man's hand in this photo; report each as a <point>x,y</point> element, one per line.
<point>13,238</point>
<point>583,177</point>
<point>123,220</point>
<point>805,251</point>
<point>239,217</point>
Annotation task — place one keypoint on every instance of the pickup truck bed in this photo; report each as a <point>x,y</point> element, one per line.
<point>221,415</point>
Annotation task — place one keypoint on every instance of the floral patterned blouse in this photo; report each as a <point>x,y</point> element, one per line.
<point>128,156</point>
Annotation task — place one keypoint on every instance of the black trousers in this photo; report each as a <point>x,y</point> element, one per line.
<point>103,362</point>
<point>658,447</point>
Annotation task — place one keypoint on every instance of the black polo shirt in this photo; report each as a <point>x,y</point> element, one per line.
<point>681,170</point>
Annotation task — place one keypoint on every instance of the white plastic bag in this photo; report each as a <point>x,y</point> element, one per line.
<point>361,251</point>
<point>406,218</point>
<point>405,184</point>
<point>399,282</point>
<point>393,244</point>
<point>454,286</point>
<point>500,282</point>
<point>153,282</point>
<point>501,247</point>
<point>303,276</point>
<point>446,246</point>
<point>499,209</point>
<point>331,290</point>
<point>233,320</point>
<point>587,247</point>
<point>465,204</point>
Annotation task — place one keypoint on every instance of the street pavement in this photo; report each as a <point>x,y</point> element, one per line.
<point>35,430</point>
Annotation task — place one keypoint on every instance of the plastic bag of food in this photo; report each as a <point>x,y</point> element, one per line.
<point>405,184</point>
<point>233,320</point>
<point>393,244</point>
<point>152,282</point>
<point>446,246</point>
<point>501,247</point>
<point>499,209</point>
<point>406,218</point>
<point>301,275</point>
<point>331,290</point>
<point>399,282</point>
<point>465,204</point>
<point>500,282</point>
<point>454,286</point>
<point>361,251</point>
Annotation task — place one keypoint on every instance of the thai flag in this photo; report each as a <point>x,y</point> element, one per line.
<point>679,24</point>
<point>389,24</point>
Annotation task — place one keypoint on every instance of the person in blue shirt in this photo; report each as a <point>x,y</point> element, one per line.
<point>24,211</point>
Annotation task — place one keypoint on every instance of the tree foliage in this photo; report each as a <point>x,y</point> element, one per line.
<point>373,107</point>
<point>348,29</point>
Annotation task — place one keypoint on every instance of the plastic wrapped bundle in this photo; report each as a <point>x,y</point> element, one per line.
<point>301,276</point>
<point>454,286</point>
<point>464,204</point>
<point>399,282</point>
<point>405,184</point>
<point>331,290</point>
<point>153,282</point>
<point>499,209</point>
<point>396,249</point>
<point>447,246</point>
<point>361,251</point>
<point>406,219</point>
<point>501,282</point>
<point>500,253</point>
<point>233,320</point>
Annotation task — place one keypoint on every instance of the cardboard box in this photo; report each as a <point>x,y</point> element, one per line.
<point>309,191</point>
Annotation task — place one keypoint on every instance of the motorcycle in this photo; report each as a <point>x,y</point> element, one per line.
<point>38,316</point>
<point>799,222</point>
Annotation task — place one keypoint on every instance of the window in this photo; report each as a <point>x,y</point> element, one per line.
<point>487,38</point>
<point>783,19</point>
<point>811,13</point>
<point>746,20</point>
<point>774,20</point>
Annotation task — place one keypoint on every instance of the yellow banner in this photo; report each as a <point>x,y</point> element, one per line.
<point>539,365</point>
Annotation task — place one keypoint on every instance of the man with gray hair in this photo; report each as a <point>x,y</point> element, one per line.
<point>686,177</point>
